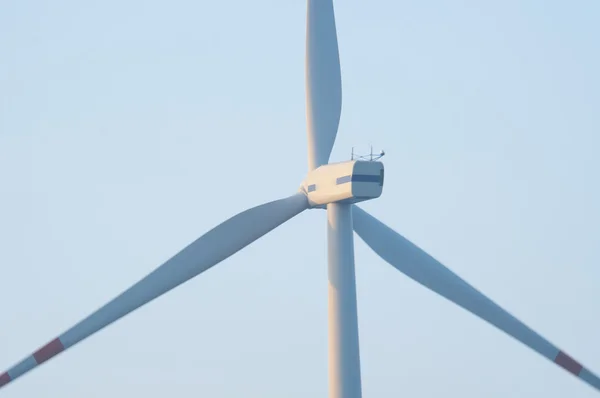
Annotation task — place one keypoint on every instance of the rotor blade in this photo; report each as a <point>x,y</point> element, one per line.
<point>323,81</point>
<point>421,267</point>
<point>213,247</point>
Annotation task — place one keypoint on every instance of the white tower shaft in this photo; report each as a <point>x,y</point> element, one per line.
<point>344,356</point>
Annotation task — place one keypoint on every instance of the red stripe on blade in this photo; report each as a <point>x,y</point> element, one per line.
<point>48,351</point>
<point>4,379</point>
<point>568,363</point>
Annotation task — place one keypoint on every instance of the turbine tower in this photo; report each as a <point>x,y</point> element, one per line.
<point>336,187</point>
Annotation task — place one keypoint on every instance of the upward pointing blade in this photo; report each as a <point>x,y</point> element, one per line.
<point>213,247</point>
<point>421,267</point>
<point>323,82</point>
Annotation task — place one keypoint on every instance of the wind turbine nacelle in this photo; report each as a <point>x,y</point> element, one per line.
<point>345,182</point>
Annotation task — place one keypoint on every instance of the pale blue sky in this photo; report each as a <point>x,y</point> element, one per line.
<point>127,129</point>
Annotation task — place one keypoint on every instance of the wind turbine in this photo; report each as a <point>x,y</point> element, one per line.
<point>337,188</point>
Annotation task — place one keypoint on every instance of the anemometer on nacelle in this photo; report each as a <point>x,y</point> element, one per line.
<point>371,157</point>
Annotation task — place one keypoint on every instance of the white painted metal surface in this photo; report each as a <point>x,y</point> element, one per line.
<point>346,182</point>
<point>336,186</point>
<point>323,81</point>
<point>344,353</point>
<point>211,248</point>
<point>426,270</point>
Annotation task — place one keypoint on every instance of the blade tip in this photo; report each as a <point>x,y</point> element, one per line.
<point>4,379</point>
